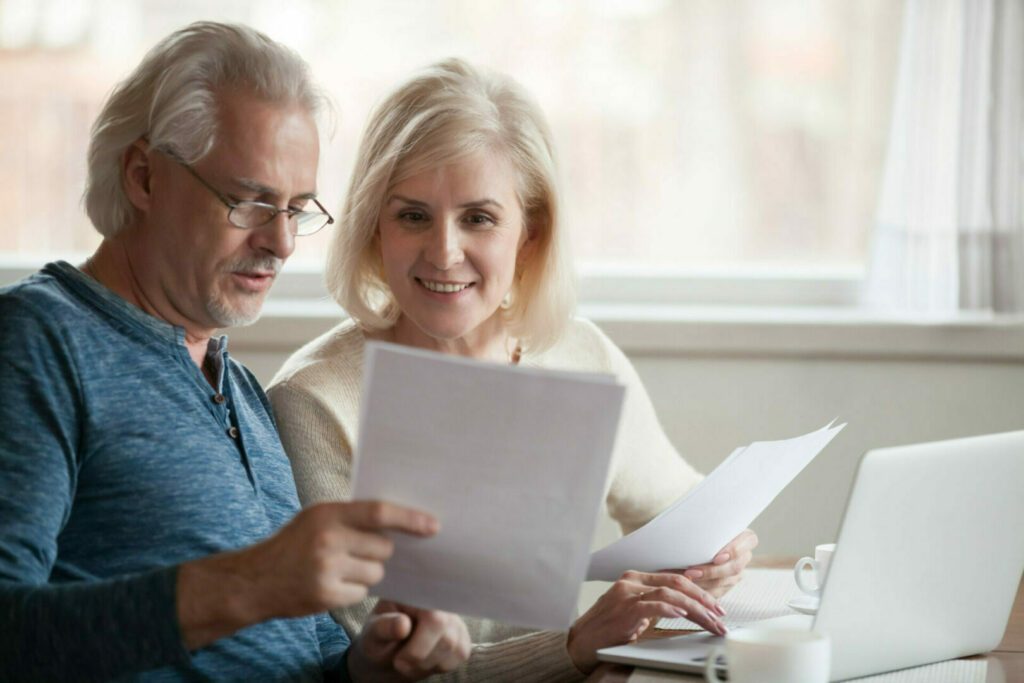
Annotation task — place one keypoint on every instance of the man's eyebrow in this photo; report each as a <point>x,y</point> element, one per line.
<point>259,188</point>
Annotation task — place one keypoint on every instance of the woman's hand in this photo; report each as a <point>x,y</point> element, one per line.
<point>402,643</point>
<point>631,605</point>
<point>726,570</point>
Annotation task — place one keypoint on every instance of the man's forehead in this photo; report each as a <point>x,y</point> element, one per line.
<point>266,147</point>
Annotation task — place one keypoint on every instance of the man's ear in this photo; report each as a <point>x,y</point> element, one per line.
<point>135,174</point>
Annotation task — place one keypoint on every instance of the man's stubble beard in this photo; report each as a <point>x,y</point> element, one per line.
<point>218,304</point>
<point>225,315</point>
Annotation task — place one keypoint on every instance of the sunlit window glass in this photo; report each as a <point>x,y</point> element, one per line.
<point>691,133</point>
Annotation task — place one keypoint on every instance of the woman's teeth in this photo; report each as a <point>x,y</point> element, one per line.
<point>443,287</point>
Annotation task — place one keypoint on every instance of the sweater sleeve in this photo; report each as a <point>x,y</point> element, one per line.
<point>537,657</point>
<point>88,630</point>
<point>649,474</point>
<point>315,442</point>
<point>321,456</point>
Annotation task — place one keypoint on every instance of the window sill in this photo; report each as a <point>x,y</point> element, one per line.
<point>821,320</point>
<point>776,331</point>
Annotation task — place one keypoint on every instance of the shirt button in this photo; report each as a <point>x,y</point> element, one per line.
<point>233,432</point>
<point>219,398</point>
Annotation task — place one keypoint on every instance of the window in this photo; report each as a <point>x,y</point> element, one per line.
<point>728,134</point>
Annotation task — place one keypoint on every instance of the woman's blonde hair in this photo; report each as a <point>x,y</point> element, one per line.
<point>443,114</point>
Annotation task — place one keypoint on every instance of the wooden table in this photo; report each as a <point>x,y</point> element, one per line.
<point>1005,663</point>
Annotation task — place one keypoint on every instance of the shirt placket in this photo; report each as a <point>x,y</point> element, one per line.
<point>222,402</point>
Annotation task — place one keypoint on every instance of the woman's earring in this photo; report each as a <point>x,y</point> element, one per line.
<point>506,303</point>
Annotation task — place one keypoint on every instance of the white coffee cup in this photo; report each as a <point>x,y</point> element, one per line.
<point>761,655</point>
<point>819,565</point>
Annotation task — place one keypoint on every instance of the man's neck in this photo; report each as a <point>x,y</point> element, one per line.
<point>113,266</point>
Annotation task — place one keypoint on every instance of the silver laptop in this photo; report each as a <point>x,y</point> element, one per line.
<point>928,561</point>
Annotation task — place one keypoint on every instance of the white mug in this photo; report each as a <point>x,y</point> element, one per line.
<point>776,655</point>
<point>819,564</point>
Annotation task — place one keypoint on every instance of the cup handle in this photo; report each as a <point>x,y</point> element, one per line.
<point>798,575</point>
<point>710,672</point>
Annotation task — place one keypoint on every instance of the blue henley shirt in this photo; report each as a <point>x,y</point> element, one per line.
<point>119,462</point>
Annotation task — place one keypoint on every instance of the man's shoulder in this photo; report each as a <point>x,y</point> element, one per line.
<point>38,302</point>
<point>334,357</point>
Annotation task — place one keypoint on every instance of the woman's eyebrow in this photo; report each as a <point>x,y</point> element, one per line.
<point>476,203</point>
<point>408,200</point>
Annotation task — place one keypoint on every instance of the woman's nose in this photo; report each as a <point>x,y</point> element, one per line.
<point>445,250</point>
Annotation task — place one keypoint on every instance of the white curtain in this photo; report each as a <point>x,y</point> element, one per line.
<point>950,232</point>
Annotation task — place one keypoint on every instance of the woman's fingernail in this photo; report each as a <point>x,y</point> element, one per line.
<point>680,612</point>
<point>724,557</point>
<point>693,573</point>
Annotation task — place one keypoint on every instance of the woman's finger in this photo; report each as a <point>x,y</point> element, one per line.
<point>716,572</point>
<point>722,586</point>
<point>426,645</point>
<point>661,608</point>
<point>693,608</point>
<point>678,583</point>
<point>744,543</point>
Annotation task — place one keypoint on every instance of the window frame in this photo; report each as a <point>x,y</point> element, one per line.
<point>800,315</point>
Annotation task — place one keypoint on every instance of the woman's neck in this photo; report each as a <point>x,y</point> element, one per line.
<point>489,342</point>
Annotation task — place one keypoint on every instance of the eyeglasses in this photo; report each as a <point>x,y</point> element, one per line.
<point>249,215</point>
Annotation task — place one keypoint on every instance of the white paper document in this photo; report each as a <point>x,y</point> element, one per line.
<point>694,528</point>
<point>512,461</point>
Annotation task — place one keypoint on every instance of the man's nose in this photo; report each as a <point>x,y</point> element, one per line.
<point>276,237</point>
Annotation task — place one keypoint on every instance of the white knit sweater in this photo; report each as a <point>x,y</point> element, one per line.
<point>316,396</point>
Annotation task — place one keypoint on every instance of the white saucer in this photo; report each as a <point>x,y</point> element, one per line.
<point>805,604</point>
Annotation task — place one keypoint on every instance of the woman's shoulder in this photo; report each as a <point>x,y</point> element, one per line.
<point>584,347</point>
<point>334,357</point>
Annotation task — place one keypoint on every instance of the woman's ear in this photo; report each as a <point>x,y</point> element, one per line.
<point>135,173</point>
<point>528,243</point>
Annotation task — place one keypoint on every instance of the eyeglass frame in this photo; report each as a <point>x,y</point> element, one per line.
<point>232,205</point>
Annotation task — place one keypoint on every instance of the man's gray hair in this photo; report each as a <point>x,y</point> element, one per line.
<point>171,100</point>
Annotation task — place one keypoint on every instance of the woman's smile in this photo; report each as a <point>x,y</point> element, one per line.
<point>450,239</point>
<point>443,287</point>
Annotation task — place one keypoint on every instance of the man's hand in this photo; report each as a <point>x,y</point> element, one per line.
<point>326,557</point>
<point>726,570</point>
<point>401,643</point>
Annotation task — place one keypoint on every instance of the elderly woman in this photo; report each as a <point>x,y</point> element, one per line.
<point>451,240</point>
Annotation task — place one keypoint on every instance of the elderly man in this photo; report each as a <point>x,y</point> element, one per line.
<point>149,525</point>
